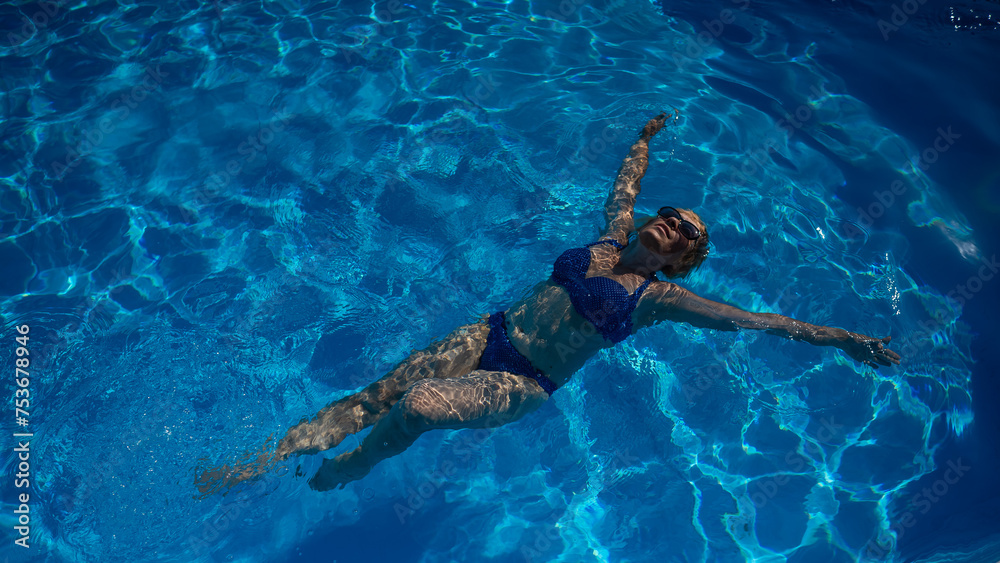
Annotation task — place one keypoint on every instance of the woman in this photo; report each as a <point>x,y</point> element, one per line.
<point>497,370</point>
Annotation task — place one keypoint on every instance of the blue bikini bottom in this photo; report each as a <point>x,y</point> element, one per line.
<point>500,355</point>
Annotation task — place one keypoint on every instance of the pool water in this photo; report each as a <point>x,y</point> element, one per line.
<point>219,217</point>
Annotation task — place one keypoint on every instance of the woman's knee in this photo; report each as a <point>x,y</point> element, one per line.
<point>421,407</point>
<point>526,397</point>
<point>481,400</point>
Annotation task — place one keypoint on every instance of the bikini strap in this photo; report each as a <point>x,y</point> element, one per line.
<point>645,284</point>
<point>617,244</point>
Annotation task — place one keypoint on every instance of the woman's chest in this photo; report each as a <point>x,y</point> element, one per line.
<point>602,264</point>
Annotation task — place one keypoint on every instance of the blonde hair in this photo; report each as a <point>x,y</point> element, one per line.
<point>692,258</point>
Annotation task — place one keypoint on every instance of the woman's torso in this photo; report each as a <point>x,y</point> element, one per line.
<point>548,330</point>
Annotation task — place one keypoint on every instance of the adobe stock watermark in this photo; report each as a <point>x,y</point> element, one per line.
<point>384,15</point>
<point>418,497</point>
<point>254,144</point>
<point>962,293</point>
<point>100,470</point>
<point>429,306</point>
<point>211,530</point>
<point>543,540</point>
<point>900,16</point>
<point>883,544</point>
<point>621,459</point>
<point>867,215</point>
<point>703,379</point>
<point>39,20</point>
<point>485,87</point>
<point>767,488</point>
<point>695,46</point>
<point>974,284</point>
<point>757,159</point>
<point>592,150</point>
<point>581,335</point>
<point>600,144</point>
<point>566,9</point>
<point>122,106</point>
<point>55,337</point>
<point>464,446</point>
<point>221,6</point>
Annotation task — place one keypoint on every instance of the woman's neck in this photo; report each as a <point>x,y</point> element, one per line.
<point>637,259</point>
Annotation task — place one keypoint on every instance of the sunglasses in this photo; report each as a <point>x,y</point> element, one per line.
<point>687,228</point>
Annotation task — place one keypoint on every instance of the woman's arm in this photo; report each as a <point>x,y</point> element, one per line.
<point>670,302</point>
<point>621,200</point>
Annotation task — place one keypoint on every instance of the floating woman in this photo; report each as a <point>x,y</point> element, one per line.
<point>497,370</point>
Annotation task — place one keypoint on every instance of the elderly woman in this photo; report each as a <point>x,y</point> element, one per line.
<point>505,366</point>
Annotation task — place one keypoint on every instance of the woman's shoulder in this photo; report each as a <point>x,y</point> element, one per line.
<point>618,236</point>
<point>609,242</point>
<point>663,290</point>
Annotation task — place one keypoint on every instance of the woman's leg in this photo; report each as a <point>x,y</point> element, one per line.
<point>483,399</point>
<point>455,355</point>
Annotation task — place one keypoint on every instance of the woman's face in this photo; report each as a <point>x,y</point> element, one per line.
<point>662,237</point>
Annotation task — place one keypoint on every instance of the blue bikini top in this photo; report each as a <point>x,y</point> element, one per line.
<point>600,300</point>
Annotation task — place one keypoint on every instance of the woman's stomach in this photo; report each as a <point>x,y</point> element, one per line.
<point>546,329</point>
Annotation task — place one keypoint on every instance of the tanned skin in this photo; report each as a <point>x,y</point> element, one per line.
<point>442,387</point>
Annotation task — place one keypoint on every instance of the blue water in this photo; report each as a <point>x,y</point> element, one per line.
<point>217,218</point>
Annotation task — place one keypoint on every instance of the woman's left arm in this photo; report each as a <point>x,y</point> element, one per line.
<point>670,302</point>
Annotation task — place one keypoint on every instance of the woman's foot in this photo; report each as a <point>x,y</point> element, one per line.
<point>338,472</point>
<point>211,481</point>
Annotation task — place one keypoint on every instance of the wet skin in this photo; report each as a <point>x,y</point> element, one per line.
<point>547,329</point>
<point>442,387</point>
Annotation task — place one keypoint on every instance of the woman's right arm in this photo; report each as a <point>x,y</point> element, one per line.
<point>621,200</point>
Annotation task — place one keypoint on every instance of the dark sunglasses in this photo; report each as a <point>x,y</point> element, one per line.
<point>687,228</point>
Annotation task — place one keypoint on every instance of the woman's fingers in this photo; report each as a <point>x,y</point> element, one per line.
<point>892,356</point>
<point>872,351</point>
<point>654,125</point>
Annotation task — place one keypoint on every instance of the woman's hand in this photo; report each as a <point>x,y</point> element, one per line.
<point>654,125</point>
<point>869,351</point>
